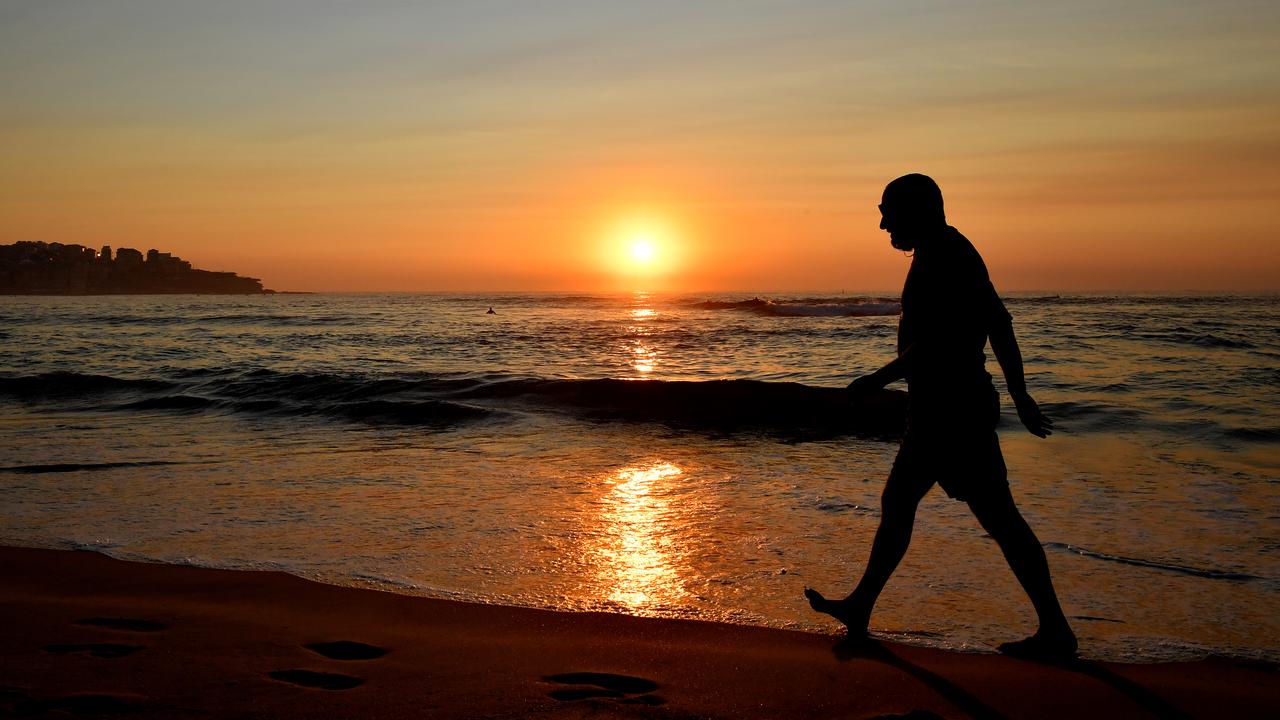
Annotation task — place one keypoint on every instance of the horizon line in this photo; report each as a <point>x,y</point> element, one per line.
<point>811,291</point>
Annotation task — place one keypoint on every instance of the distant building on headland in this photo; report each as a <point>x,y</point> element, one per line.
<point>37,268</point>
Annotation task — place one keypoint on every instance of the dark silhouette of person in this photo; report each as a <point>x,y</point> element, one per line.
<point>491,312</point>
<point>949,310</point>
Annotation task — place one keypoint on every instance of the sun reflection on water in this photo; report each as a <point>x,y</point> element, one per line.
<point>638,569</point>
<point>644,358</point>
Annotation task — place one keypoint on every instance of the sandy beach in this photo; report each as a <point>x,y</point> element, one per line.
<point>87,634</point>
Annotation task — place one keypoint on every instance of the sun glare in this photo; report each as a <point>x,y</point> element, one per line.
<point>642,247</point>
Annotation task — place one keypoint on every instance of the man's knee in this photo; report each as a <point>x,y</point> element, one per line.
<point>902,493</point>
<point>997,513</point>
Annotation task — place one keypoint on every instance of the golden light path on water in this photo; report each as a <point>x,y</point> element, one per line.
<point>644,359</point>
<point>637,568</point>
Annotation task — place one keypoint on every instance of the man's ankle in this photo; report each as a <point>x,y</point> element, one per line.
<point>1056,630</point>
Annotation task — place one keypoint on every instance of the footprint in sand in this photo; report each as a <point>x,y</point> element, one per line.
<point>86,703</point>
<point>316,680</point>
<point>106,650</point>
<point>125,624</point>
<point>608,686</point>
<point>337,650</point>
<point>99,650</point>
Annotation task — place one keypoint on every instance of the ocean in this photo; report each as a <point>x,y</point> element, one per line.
<point>664,455</point>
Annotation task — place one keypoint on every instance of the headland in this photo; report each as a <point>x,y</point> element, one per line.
<point>39,268</point>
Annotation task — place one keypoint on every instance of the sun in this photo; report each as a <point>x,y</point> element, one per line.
<point>643,249</point>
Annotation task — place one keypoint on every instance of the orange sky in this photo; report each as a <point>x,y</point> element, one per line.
<point>495,146</point>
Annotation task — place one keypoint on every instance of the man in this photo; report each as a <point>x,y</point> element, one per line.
<point>949,310</point>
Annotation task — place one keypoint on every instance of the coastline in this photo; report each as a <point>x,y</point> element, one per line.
<point>223,643</point>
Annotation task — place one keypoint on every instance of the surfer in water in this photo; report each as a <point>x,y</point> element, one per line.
<point>949,310</point>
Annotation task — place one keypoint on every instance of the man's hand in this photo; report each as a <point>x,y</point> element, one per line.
<point>862,387</point>
<point>1030,415</point>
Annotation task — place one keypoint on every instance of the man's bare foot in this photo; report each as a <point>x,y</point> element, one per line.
<point>1043,646</point>
<point>855,619</point>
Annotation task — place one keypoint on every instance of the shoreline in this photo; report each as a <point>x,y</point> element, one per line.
<point>83,632</point>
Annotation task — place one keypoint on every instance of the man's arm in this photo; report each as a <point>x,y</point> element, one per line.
<point>895,369</point>
<point>1005,347</point>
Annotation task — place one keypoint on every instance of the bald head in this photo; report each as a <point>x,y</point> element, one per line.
<point>911,208</point>
<point>916,194</point>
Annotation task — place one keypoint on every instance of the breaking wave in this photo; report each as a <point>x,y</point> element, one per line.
<point>450,400</point>
<point>1212,574</point>
<point>83,467</point>
<point>809,307</point>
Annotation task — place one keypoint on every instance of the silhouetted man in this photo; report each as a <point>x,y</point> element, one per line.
<point>949,310</point>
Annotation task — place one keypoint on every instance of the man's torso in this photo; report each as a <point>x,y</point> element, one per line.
<point>948,308</point>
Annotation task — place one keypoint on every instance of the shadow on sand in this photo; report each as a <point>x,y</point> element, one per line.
<point>869,649</point>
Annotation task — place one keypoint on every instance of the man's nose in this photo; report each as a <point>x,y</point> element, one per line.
<point>882,225</point>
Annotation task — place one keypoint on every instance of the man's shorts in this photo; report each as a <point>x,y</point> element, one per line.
<point>954,444</point>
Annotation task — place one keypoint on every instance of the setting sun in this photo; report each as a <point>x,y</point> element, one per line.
<point>642,250</point>
<point>644,244</point>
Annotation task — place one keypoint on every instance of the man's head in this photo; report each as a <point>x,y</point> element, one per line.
<point>911,209</point>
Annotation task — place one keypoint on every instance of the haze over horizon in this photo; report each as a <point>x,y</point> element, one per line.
<point>582,146</point>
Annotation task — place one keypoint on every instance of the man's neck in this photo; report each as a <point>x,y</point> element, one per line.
<point>933,237</point>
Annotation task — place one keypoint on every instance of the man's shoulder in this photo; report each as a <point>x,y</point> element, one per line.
<point>963,251</point>
<point>958,242</point>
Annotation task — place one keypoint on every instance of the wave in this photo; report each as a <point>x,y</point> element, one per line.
<point>1182,336</point>
<point>426,412</point>
<point>714,404</point>
<point>84,467</point>
<point>1255,434</point>
<point>518,299</point>
<point>71,384</point>
<point>168,402</point>
<point>810,307</point>
<point>1265,299</point>
<point>1097,417</point>
<point>789,410</point>
<point>252,319</point>
<point>1094,417</point>
<point>781,408</point>
<point>1169,567</point>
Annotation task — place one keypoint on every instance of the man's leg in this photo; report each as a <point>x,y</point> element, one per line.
<point>999,516</point>
<point>898,503</point>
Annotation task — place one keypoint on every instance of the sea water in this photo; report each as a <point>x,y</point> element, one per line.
<point>664,455</point>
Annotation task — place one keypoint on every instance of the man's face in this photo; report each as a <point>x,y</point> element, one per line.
<point>903,232</point>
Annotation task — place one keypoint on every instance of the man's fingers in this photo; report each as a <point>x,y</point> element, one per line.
<point>1038,425</point>
<point>1036,422</point>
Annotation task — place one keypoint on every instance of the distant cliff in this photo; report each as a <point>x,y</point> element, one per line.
<point>37,268</point>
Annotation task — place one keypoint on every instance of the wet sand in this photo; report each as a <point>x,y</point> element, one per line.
<point>82,633</point>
